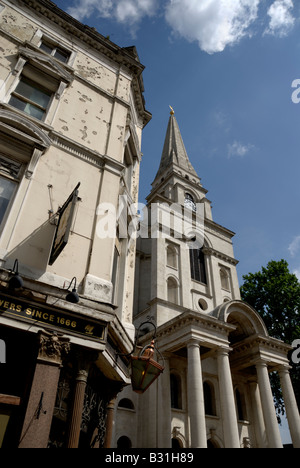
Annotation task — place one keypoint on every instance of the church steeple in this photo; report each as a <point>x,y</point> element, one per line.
<point>174,155</point>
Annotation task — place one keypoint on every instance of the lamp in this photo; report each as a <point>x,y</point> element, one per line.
<point>73,296</point>
<point>16,282</point>
<point>144,369</point>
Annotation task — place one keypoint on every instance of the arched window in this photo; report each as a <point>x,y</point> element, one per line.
<point>126,404</point>
<point>172,257</point>
<point>209,399</point>
<point>198,268</point>
<point>189,202</point>
<point>172,291</point>
<point>225,279</point>
<point>124,443</point>
<point>176,392</point>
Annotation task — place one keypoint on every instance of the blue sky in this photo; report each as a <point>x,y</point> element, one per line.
<point>227,69</point>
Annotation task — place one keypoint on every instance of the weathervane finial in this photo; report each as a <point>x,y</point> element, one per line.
<point>172,110</point>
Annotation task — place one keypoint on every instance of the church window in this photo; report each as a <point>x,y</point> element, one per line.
<point>189,202</point>
<point>126,404</point>
<point>202,304</point>
<point>176,392</point>
<point>172,257</point>
<point>225,279</point>
<point>124,443</point>
<point>172,291</point>
<point>198,268</point>
<point>209,399</point>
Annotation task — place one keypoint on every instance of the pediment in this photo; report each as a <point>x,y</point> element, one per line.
<point>47,63</point>
<point>21,128</point>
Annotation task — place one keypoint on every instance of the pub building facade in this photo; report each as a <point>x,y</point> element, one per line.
<point>72,113</point>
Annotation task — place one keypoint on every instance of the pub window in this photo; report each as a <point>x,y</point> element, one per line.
<point>55,51</point>
<point>115,273</point>
<point>31,98</point>
<point>10,172</point>
<point>198,268</point>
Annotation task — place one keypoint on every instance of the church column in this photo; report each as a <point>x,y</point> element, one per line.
<point>196,397</point>
<point>229,416</point>
<point>164,422</point>
<point>258,418</point>
<point>291,407</point>
<point>267,400</point>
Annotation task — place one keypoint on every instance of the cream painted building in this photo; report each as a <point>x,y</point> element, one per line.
<point>72,112</point>
<point>215,390</point>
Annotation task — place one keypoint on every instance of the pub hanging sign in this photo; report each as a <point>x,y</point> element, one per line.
<point>63,228</point>
<point>10,307</point>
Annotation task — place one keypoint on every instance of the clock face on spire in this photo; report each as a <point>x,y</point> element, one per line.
<point>189,202</point>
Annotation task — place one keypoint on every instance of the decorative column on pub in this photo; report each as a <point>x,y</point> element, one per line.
<point>38,419</point>
<point>85,359</point>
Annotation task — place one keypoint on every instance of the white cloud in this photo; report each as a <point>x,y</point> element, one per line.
<point>281,18</point>
<point>215,24</point>
<point>239,149</point>
<point>297,273</point>
<point>294,246</point>
<point>123,11</point>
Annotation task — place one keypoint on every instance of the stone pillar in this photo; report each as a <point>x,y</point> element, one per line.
<point>164,408</point>
<point>267,400</point>
<point>196,406</point>
<point>84,361</point>
<point>39,413</point>
<point>291,407</point>
<point>258,417</point>
<point>228,408</point>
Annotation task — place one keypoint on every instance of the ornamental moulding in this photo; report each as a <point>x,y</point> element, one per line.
<point>53,347</point>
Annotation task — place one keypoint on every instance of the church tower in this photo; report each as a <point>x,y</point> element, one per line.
<point>171,276</point>
<point>216,351</point>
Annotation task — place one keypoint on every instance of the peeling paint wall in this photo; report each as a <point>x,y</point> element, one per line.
<point>84,116</point>
<point>87,125</point>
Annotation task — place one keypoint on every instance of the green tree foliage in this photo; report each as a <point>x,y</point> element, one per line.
<point>274,292</point>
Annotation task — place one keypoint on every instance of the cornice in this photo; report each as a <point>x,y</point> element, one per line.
<point>190,318</point>
<point>124,57</point>
<point>216,228</point>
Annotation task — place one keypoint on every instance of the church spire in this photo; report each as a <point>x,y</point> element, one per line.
<point>174,152</point>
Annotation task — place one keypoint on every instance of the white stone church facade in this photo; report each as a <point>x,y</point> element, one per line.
<point>215,390</point>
